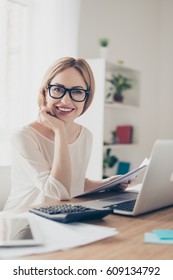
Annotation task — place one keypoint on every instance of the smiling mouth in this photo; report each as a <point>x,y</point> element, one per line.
<point>63,109</point>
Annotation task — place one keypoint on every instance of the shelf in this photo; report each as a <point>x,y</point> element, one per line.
<point>117,105</point>
<point>112,114</point>
<point>112,67</point>
<point>117,146</point>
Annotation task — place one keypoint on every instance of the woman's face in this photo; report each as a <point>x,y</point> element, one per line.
<point>65,108</point>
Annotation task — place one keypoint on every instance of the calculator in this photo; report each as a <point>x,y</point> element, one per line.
<point>67,213</point>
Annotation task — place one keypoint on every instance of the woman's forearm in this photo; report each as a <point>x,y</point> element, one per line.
<point>92,184</point>
<point>61,167</point>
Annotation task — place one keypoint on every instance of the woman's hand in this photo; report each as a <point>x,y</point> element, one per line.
<point>47,118</point>
<point>121,186</point>
<point>92,184</point>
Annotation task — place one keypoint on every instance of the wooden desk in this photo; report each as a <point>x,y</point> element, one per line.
<point>127,245</point>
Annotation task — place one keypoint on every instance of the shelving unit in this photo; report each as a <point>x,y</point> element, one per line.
<point>105,115</point>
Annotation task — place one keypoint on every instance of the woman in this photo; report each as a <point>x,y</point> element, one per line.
<point>50,156</point>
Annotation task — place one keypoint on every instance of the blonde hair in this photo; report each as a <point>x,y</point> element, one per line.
<point>60,65</point>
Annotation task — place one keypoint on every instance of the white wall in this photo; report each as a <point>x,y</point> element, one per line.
<point>140,33</point>
<point>166,69</point>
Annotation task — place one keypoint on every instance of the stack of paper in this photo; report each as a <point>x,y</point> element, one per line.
<point>123,179</point>
<point>58,236</point>
<point>159,236</point>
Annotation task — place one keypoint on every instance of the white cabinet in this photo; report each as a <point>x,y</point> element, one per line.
<point>103,117</point>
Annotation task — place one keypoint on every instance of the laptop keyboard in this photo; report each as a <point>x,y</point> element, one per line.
<point>125,206</point>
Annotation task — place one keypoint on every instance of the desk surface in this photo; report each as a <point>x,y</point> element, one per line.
<point>128,244</point>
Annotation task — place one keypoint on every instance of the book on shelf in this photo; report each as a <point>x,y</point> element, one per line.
<point>124,134</point>
<point>123,167</point>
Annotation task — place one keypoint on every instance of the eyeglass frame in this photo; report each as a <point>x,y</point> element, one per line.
<point>69,90</point>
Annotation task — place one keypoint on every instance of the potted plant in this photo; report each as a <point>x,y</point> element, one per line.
<point>103,43</point>
<point>119,83</point>
<point>108,161</point>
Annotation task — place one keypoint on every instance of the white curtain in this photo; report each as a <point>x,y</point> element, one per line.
<point>3,98</point>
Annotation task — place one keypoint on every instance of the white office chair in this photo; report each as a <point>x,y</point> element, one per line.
<point>5,184</point>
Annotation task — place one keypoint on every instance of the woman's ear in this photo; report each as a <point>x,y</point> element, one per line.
<point>46,97</point>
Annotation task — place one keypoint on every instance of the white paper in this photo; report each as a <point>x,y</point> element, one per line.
<point>123,179</point>
<point>57,236</point>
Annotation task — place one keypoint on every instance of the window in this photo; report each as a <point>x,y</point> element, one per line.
<point>15,53</point>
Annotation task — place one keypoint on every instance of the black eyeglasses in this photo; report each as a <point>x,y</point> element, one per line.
<point>76,94</point>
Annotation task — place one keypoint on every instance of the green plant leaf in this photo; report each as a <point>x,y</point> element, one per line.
<point>108,152</point>
<point>104,42</point>
<point>112,161</point>
<point>119,83</point>
<point>109,160</point>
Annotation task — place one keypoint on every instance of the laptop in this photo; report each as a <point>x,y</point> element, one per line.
<point>156,189</point>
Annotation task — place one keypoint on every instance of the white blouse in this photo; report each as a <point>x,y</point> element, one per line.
<point>32,158</point>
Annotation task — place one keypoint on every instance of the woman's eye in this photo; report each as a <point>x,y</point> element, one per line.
<point>59,89</point>
<point>77,91</point>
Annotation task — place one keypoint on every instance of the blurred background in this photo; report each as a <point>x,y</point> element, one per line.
<point>34,33</point>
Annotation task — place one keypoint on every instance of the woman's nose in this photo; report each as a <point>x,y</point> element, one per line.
<point>66,98</point>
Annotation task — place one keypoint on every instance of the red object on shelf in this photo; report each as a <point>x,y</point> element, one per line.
<point>124,134</point>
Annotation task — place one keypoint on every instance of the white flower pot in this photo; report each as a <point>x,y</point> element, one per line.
<point>103,52</point>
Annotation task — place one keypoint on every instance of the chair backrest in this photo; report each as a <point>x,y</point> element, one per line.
<point>5,184</point>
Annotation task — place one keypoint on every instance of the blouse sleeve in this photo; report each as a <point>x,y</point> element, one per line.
<point>34,168</point>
